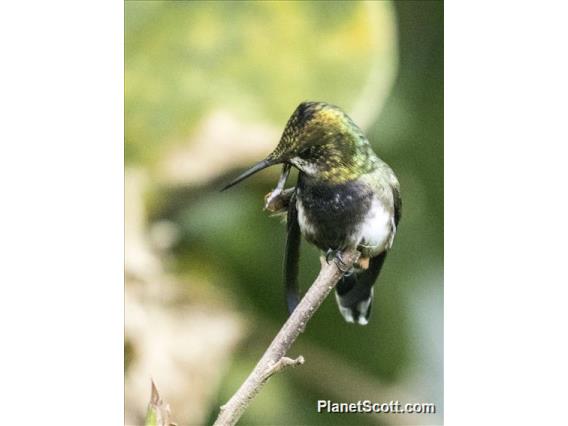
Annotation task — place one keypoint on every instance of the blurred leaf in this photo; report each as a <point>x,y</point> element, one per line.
<point>158,411</point>
<point>257,60</point>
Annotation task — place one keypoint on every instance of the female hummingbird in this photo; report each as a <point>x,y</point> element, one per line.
<point>345,197</point>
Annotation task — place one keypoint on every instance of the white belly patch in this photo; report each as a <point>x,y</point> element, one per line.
<point>305,226</point>
<point>378,229</point>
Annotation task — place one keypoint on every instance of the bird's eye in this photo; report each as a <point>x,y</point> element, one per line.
<point>305,152</point>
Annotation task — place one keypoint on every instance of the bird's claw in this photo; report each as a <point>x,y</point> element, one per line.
<point>329,255</point>
<point>278,201</point>
<point>273,201</point>
<point>336,256</point>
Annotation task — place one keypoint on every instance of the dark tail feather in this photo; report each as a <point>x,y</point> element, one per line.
<point>292,258</point>
<point>354,293</point>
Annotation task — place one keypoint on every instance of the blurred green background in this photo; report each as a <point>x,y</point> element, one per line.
<point>209,87</point>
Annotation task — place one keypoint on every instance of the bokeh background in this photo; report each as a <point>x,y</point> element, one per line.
<point>209,87</point>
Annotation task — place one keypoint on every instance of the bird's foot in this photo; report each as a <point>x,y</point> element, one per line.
<point>329,255</point>
<point>335,255</point>
<point>277,201</point>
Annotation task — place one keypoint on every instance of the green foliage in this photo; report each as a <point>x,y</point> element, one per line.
<point>256,59</point>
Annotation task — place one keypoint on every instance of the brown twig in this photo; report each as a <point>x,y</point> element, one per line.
<point>274,359</point>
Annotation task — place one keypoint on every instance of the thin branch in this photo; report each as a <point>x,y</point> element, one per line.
<point>274,359</point>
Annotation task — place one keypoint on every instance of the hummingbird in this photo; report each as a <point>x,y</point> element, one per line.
<point>345,197</point>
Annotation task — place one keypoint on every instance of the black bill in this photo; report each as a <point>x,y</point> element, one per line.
<point>256,168</point>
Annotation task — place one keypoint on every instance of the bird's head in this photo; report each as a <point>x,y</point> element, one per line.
<point>321,141</point>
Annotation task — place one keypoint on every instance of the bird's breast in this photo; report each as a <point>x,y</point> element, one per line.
<point>351,214</point>
<point>330,215</point>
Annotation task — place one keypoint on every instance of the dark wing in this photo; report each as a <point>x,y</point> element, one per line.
<point>292,257</point>
<point>397,205</point>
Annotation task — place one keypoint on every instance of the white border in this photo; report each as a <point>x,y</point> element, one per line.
<point>506,213</point>
<point>61,249</point>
